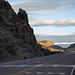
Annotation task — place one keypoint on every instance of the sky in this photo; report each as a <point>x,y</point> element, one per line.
<point>51,19</point>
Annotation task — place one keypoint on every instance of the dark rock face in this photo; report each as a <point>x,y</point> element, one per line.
<point>23,16</point>
<point>72,46</point>
<point>17,40</point>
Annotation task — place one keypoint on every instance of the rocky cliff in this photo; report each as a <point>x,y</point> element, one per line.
<point>71,48</point>
<point>49,46</point>
<point>46,43</point>
<point>17,40</point>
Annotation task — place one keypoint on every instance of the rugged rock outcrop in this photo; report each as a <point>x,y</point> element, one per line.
<point>71,48</point>
<point>46,43</point>
<point>17,40</point>
<point>50,47</point>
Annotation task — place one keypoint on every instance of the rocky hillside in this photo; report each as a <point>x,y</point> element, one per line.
<point>71,48</point>
<point>49,46</point>
<point>56,47</point>
<point>17,40</point>
<point>46,43</point>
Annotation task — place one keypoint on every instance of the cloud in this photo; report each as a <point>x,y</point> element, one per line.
<point>33,5</point>
<point>45,13</point>
<point>36,10</point>
<point>35,16</point>
<point>54,23</point>
<point>56,38</point>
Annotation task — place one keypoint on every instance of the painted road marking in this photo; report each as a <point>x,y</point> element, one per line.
<point>29,72</point>
<point>39,72</point>
<point>58,65</point>
<point>62,73</point>
<point>7,66</point>
<point>22,65</point>
<point>38,65</point>
<point>72,71</point>
<point>41,65</point>
<point>50,72</point>
<point>35,67</point>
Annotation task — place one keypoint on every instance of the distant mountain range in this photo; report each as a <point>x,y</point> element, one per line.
<point>64,45</point>
<point>67,47</point>
<point>71,48</point>
<point>51,46</point>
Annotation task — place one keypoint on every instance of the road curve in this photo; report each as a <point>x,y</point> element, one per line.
<point>59,64</point>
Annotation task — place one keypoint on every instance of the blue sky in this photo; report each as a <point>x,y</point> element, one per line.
<point>13,1</point>
<point>49,17</point>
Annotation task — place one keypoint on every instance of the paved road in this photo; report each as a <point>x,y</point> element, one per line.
<point>60,64</point>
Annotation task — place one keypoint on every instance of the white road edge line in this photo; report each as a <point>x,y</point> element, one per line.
<point>72,71</point>
<point>51,72</point>
<point>39,72</point>
<point>7,66</point>
<point>40,65</point>
<point>62,73</point>
<point>29,72</point>
<point>22,65</point>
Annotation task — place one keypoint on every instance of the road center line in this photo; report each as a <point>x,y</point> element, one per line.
<point>35,67</point>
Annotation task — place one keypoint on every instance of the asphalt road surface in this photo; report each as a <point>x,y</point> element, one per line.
<point>59,64</point>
